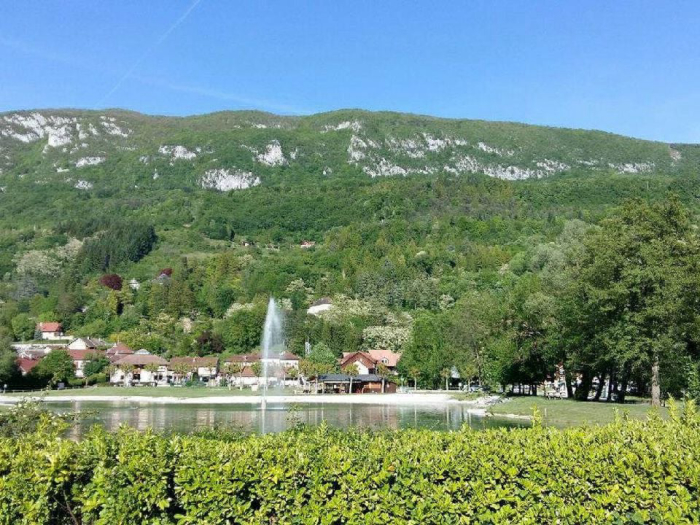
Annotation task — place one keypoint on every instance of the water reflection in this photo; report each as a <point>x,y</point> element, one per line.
<point>250,418</point>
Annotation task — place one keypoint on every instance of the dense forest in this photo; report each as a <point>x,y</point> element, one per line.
<point>500,250</point>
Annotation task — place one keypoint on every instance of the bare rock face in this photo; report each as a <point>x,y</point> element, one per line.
<point>223,179</point>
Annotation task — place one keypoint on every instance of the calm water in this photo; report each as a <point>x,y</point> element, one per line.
<point>249,418</point>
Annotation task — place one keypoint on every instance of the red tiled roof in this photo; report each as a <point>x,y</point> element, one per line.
<point>288,356</point>
<point>347,356</point>
<point>392,358</point>
<point>26,365</point>
<point>49,327</point>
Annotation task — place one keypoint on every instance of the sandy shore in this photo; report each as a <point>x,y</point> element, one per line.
<point>364,399</point>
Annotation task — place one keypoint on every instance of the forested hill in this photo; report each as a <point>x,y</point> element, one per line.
<point>268,177</point>
<point>410,215</point>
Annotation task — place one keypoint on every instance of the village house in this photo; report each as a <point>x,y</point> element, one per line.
<point>206,368</point>
<point>87,343</point>
<point>32,351</point>
<point>80,357</point>
<point>278,366</point>
<point>49,330</point>
<point>26,365</point>
<point>368,361</point>
<point>367,379</point>
<point>322,305</point>
<point>118,351</point>
<point>140,368</point>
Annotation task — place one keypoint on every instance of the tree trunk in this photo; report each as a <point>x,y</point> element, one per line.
<point>599,390</point>
<point>622,393</point>
<point>350,389</point>
<point>584,388</point>
<point>655,384</point>
<point>569,388</point>
<point>447,383</point>
<point>611,381</point>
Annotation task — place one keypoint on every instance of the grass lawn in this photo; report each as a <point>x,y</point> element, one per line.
<point>149,391</point>
<point>565,412</point>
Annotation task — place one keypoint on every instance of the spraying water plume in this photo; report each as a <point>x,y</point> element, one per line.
<point>272,342</point>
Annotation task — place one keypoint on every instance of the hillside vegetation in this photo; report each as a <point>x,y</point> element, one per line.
<point>459,242</point>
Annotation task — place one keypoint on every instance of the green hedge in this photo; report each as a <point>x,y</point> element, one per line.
<point>625,472</point>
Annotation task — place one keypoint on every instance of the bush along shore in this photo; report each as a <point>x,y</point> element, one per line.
<point>624,472</point>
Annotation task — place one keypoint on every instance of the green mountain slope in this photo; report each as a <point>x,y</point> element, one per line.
<point>245,173</point>
<point>234,150</point>
<point>420,225</point>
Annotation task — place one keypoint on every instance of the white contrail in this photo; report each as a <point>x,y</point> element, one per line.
<point>149,51</point>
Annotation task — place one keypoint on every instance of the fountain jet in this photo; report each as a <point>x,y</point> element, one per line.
<point>272,342</point>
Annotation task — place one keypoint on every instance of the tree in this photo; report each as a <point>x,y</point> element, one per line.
<point>445,373</point>
<point>257,369</point>
<point>429,349</point>
<point>234,369</point>
<point>209,343</point>
<point>321,354</point>
<point>293,373</point>
<point>23,327</point>
<point>55,368</point>
<point>414,372</point>
<point>352,371</point>
<point>128,371</point>
<point>181,370</point>
<point>95,363</point>
<point>636,297</point>
<point>9,371</point>
<point>241,331</point>
<point>383,372</point>
<point>152,369</point>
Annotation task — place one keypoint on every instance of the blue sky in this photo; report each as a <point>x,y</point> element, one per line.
<point>630,67</point>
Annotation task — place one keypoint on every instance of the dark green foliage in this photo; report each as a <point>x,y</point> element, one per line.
<point>56,367</point>
<point>9,372</point>
<point>120,243</point>
<point>95,364</point>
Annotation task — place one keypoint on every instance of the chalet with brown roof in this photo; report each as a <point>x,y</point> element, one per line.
<point>50,330</point>
<point>368,361</point>
<point>364,362</point>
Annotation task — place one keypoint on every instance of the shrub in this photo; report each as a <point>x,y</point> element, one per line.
<point>625,472</point>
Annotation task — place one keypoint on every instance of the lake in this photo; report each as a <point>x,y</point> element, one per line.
<point>276,418</point>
